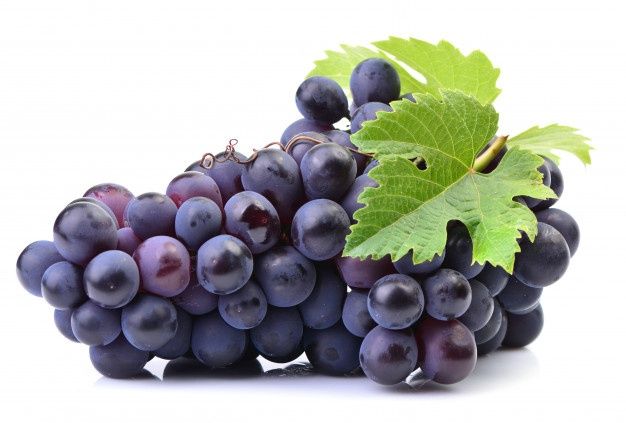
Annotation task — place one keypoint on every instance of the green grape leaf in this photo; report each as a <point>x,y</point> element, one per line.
<point>441,66</point>
<point>411,208</point>
<point>546,140</point>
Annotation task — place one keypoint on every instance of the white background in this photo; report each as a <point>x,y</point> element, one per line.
<point>131,92</point>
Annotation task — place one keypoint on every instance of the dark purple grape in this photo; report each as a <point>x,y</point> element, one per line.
<point>350,201</point>
<point>82,231</point>
<point>495,341</point>
<point>151,214</point>
<point>322,99</point>
<point>119,359</point>
<point>396,301</point>
<point>355,316</point>
<point>459,252</point>
<point>245,308</point>
<point>63,322</point>
<point>358,273</point>
<point>253,219</point>
<point>490,329</point>
<point>333,351</point>
<point>279,334</point>
<point>215,343</point>
<point>447,351</point>
<point>149,322</point>
<point>494,278</point>
<point>448,294</point>
<point>127,241</point>
<point>181,342</point>
<point>367,112</point>
<point>343,139</point>
<point>164,265</point>
<point>374,80</point>
<point>408,96</point>
<point>327,170</point>
<point>547,178</point>
<point>94,325</point>
<point>275,175</point>
<point>324,306</point>
<point>197,220</point>
<point>115,196</point>
<point>542,262</point>
<point>556,184</point>
<point>303,125</point>
<point>195,299</point>
<point>319,229</point>
<point>523,329</point>
<point>565,224</point>
<point>299,148</point>
<point>480,309</point>
<point>33,261</point>
<point>518,297</point>
<point>371,165</point>
<point>193,184</point>
<point>406,266</point>
<point>224,264</point>
<point>388,356</point>
<point>112,279</point>
<point>62,285</point>
<point>225,173</point>
<point>285,275</point>
<point>97,203</point>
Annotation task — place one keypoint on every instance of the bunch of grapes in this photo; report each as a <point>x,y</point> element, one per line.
<point>242,257</point>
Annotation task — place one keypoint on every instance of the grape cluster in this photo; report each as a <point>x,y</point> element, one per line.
<point>243,258</point>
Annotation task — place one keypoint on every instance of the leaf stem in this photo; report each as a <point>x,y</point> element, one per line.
<point>490,153</point>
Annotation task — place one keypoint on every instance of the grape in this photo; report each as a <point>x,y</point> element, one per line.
<point>97,203</point>
<point>275,175</point>
<point>564,223</point>
<point>556,184</point>
<point>279,334</point>
<point>111,279</point>
<point>149,322</point>
<point>127,241</point>
<point>181,342</point>
<point>523,329</point>
<point>224,264</point>
<point>494,278</point>
<point>405,264</point>
<point>333,351</point>
<point>299,148</point>
<point>544,261</point>
<point>115,196</point>
<point>319,229</point>
<point>367,111</point>
<point>245,308</point>
<point>303,125</point>
<point>63,322</point>
<point>225,173</point>
<point>193,184</point>
<point>151,214</point>
<point>197,220</point>
<point>327,170</point>
<point>324,306</point>
<point>448,294</point>
<point>62,285</point>
<point>253,219</point>
<point>490,330</point>
<point>195,299</point>
<point>480,309</point>
<point>408,96</point>
<point>286,276</point>
<point>94,325</point>
<point>343,139</point>
<point>119,359</point>
<point>534,202</point>
<point>215,343</point>
<point>33,261</point>
<point>495,341</point>
<point>396,301</point>
<point>374,80</point>
<point>322,99</point>
<point>164,265</point>
<point>82,231</point>
<point>518,297</point>
<point>497,159</point>
<point>350,201</point>
<point>388,356</point>
<point>459,253</point>
<point>355,316</point>
<point>358,273</point>
<point>371,165</point>
<point>447,351</point>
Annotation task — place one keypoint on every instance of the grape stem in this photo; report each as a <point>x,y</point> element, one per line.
<point>489,154</point>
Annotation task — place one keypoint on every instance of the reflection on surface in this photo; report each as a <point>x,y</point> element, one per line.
<point>187,368</point>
